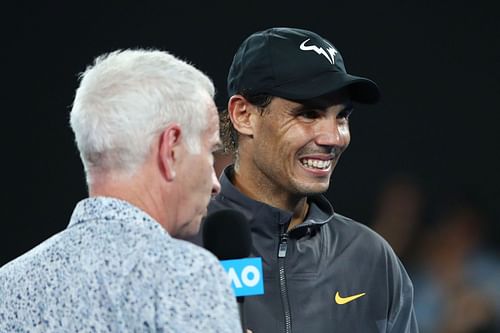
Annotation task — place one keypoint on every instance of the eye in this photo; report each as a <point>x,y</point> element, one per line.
<point>309,114</point>
<point>344,114</point>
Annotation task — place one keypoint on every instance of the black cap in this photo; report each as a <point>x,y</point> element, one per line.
<point>294,64</point>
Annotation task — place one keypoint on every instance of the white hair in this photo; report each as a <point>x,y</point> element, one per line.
<point>127,98</point>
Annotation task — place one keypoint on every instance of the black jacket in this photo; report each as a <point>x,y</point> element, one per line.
<point>305,268</point>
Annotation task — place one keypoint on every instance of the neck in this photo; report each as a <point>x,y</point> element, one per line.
<point>137,189</point>
<point>299,214</point>
<point>261,191</point>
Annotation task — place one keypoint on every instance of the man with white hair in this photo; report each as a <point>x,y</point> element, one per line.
<point>146,126</point>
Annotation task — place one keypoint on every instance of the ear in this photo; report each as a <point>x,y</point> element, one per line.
<point>170,150</point>
<point>242,114</point>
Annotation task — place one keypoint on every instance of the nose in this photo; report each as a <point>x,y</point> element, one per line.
<point>332,132</point>
<point>215,183</point>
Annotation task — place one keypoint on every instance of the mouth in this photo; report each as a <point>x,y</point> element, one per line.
<point>316,164</point>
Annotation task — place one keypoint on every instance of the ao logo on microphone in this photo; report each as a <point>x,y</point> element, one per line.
<point>245,275</point>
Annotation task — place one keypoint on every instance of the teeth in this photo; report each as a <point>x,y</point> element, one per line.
<point>316,164</point>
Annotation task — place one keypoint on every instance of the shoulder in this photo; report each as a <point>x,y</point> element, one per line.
<point>192,279</point>
<point>370,249</point>
<point>350,227</point>
<point>351,232</point>
<point>183,259</point>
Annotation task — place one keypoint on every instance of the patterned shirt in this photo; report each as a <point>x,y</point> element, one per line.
<point>115,269</point>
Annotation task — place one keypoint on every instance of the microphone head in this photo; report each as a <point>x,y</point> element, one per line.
<point>226,233</point>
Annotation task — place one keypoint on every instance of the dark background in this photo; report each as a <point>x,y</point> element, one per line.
<point>436,62</point>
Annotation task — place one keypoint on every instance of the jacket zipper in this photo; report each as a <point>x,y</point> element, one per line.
<point>283,244</point>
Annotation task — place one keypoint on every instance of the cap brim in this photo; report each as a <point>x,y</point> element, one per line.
<point>361,89</point>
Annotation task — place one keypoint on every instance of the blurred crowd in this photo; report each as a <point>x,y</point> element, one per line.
<point>448,240</point>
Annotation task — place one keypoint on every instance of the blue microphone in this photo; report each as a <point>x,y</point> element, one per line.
<point>226,233</point>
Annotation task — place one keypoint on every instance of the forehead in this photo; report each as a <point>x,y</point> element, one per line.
<point>336,98</point>
<point>337,101</point>
<point>340,97</point>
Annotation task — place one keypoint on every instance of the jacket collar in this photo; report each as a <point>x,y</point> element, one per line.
<point>263,216</point>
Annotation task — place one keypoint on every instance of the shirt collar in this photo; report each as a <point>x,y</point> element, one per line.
<point>107,208</point>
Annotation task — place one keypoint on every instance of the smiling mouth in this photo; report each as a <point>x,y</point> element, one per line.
<point>316,164</point>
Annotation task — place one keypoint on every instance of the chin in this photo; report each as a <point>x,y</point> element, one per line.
<point>313,190</point>
<point>190,228</point>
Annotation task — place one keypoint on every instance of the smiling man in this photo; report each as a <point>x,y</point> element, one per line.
<point>287,123</point>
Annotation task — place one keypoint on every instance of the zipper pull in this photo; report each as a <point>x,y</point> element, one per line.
<point>283,245</point>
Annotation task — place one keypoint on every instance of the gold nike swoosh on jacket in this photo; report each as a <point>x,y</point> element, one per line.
<point>343,300</point>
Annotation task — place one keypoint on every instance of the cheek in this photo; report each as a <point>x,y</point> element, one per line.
<point>278,143</point>
<point>345,134</point>
<point>209,170</point>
